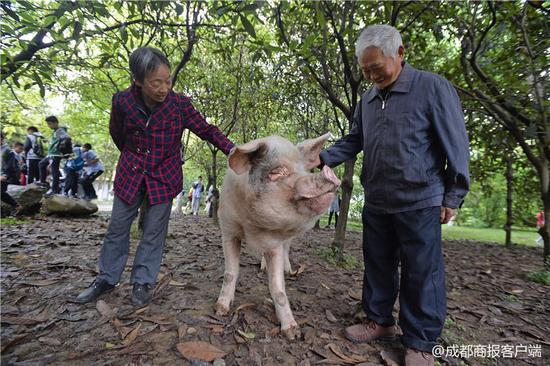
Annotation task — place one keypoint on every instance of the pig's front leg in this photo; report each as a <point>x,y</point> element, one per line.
<point>275,271</point>
<point>231,252</point>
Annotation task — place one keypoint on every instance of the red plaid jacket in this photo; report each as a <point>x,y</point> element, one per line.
<point>150,144</point>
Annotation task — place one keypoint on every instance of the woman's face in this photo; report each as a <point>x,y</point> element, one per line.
<point>156,85</point>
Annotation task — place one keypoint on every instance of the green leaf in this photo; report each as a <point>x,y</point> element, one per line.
<point>249,8</point>
<point>179,9</point>
<point>320,16</point>
<point>248,26</point>
<point>40,85</point>
<point>124,34</point>
<point>222,10</point>
<point>26,16</point>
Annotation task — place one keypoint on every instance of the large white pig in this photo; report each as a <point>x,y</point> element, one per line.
<point>268,197</point>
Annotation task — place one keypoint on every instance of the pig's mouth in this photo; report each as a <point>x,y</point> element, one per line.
<point>319,198</point>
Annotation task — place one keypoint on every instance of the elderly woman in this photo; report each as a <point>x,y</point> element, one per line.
<point>147,122</point>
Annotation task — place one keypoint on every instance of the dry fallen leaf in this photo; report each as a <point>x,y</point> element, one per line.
<point>182,330</point>
<point>20,320</point>
<point>46,282</point>
<point>177,284</point>
<point>352,359</point>
<point>200,350</point>
<point>104,309</point>
<point>244,306</point>
<point>389,358</point>
<point>132,335</point>
<point>246,335</point>
<point>50,341</point>
<point>162,284</point>
<point>331,318</point>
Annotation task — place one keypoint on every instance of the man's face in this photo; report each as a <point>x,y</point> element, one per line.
<point>83,149</point>
<point>52,125</point>
<point>18,149</point>
<point>380,69</point>
<point>156,84</point>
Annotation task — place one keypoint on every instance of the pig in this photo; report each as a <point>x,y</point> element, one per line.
<point>268,197</point>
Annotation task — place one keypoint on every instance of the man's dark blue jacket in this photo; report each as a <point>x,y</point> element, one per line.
<point>414,142</point>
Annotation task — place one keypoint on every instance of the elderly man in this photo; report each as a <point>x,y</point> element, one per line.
<point>147,122</point>
<point>411,129</point>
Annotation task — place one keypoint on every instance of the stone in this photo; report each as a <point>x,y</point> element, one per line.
<point>68,206</point>
<point>28,197</point>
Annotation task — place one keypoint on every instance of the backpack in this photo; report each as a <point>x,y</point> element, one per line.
<point>38,146</point>
<point>77,163</point>
<point>65,145</point>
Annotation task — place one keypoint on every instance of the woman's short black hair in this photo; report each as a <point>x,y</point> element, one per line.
<point>144,60</point>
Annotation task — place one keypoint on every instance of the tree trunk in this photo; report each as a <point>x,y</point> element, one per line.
<point>317,225</point>
<point>347,189</point>
<point>545,230</point>
<point>545,233</point>
<point>509,194</point>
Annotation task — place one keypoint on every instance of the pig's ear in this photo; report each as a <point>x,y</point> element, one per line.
<point>242,157</point>
<point>310,150</point>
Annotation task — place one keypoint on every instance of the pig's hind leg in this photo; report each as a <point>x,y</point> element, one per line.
<point>231,252</point>
<point>288,267</point>
<point>275,271</point>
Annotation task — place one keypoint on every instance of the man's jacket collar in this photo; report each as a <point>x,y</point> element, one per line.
<point>401,85</point>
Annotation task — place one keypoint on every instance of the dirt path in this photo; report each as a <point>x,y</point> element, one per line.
<point>48,261</point>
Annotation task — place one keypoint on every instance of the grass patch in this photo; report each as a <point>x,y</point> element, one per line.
<point>542,276</point>
<point>522,237</point>
<point>525,237</point>
<point>346,261</point>
<point>12,221</point>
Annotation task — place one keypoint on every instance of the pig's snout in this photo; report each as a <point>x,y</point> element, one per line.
<point>316,185</point>
<point>329,174</point>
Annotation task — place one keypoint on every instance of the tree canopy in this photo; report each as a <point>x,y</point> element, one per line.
<point>258,68</point>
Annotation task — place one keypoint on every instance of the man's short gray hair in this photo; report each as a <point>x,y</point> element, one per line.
<point>144,60</point>
<point>384,37</point>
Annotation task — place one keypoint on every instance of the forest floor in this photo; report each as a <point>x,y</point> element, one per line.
<point>47,261</point>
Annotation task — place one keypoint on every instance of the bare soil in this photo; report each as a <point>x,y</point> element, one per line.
<point>47,261</point>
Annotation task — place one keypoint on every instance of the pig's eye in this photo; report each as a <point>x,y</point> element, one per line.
<point>278,172</point>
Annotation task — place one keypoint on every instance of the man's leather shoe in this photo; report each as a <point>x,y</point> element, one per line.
<point>96,289</point>
<point>414,357</point>
<point>368,331</point>
<point>142,294</point>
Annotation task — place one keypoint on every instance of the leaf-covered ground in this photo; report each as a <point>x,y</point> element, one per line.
<point>48,261</point>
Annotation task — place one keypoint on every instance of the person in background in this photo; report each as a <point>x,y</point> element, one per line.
<point>34,152</point>
<point>198,187</point>
<point>334,209</point>
<point>72,171</point>
<point>189,206</point>
<point>9,174</point>
<point>208,200</point>
<point>19,149</point>
<point>93,168</point>
<point>54,155</point>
